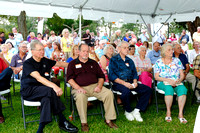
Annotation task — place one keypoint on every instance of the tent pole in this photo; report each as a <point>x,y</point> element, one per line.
<point>163,24</point>
<point>146,25</point>
<point>80,15</point>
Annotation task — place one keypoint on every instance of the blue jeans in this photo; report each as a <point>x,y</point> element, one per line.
<point>5,78</point>
<point>143,91</point>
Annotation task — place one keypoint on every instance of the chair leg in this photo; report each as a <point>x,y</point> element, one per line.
<point>13,85</point>
<point>115,104</point>
<point>11,101</point>
<point>72,104</point>
<point>101,107</point>
<point>64,89</point>
<point>156,100</point>
<point>23,114</point>
<point>194,96</point>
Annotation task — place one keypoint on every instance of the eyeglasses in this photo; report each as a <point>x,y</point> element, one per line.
<point>40,50</point>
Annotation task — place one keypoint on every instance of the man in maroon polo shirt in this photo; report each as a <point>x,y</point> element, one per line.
<point>87,78</point>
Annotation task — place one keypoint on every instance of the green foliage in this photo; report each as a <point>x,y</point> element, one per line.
<point>177,27</point>
<point>8,22</point>
<point>190,46</point>
<point>57,24</point>
<point>31,23</point>
<point>131,27</point>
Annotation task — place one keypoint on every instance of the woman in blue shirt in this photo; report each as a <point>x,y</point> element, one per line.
<point>74,54</point>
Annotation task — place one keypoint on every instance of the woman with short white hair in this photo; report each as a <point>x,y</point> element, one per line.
<point>105,59</point>
<point>169,74</point>
<point>143,67</point>
<point>184,46</point>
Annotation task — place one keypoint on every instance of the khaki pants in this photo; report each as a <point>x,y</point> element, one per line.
<point>106,96</point>
<point>192,79</point>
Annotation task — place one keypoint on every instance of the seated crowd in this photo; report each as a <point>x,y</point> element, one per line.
<point>127,63</point>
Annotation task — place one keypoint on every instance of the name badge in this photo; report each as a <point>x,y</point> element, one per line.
<point>78,66</point>
<point>127,64</point>
<point>19,61</point>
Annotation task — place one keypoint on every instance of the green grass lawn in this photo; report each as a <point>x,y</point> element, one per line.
<point>153,122</point>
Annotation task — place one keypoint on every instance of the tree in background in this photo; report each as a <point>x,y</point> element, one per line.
<point>192,26</point>
<point>177,27</point>
<point>136,28</point>
<point>57,24</point>
<point>8,22</point>
<point>21,22</point>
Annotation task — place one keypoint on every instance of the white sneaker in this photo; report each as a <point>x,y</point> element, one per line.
<point>198,98</point>
<point>129,116</point>
<point>137,116</point>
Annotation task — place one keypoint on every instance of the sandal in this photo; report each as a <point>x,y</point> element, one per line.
<point>182,120</point>
<point>168,119</point>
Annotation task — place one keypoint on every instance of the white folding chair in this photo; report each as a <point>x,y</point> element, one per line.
<point>90,99</point>
<point>30,104</point>
<point>9,98</point>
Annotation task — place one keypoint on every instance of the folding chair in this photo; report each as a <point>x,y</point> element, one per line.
<point>116,92</point>
<point>15,81</point>
<point>9,98</point>
<point>109,86</point>
<point>30,104</point>
<point>196,89</point>
<point>119,93</point>
<point>90,99</point>
<point>66,85</point>
<point>158,91</point>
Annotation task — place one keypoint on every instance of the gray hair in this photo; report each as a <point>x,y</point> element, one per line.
<point>24,42</point>
<point>122,42</point>
<point>82,43</point>
<point>164,48</point>
<point>139,49</point>
<point>118,31</point>
<point>106,48</point>
<point>34,43</point>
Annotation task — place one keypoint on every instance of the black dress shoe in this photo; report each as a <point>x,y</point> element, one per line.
<point>68,127</point>
<point>2,120</point>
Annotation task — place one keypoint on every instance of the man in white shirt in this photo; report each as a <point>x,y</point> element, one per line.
<point>144,36</point>
<point>18,37</point>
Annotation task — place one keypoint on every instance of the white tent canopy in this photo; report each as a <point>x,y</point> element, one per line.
<point>130,11</point>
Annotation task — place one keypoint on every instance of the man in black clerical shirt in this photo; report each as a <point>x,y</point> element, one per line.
<point>34,87</point>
